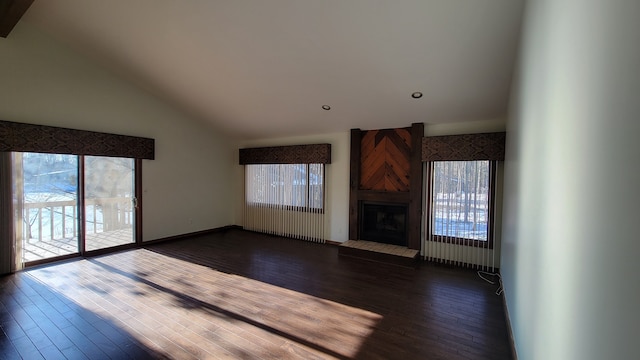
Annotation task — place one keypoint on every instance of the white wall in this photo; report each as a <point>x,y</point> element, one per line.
<point>185,189</point>
<point>460,128</point>
<point>570,229</point>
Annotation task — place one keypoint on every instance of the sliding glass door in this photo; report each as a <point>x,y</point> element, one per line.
<point>65,205</point>
<point>109,202</point>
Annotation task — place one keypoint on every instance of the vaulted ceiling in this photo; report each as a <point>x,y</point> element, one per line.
<point>258,69</point>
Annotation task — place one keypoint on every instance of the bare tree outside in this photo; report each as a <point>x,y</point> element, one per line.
<point>461,199</point>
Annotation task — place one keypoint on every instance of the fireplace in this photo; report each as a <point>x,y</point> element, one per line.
<point>384,223</point>
<point>385,186</point>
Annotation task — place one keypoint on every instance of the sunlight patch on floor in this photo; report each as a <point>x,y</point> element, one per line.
<point>159,299</point>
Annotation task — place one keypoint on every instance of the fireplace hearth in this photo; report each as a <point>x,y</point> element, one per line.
<point>384,223</point>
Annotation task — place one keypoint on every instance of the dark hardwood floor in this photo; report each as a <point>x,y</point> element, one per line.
<point>241,295</point>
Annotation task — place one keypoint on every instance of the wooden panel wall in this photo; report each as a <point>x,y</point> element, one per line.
<point>385,162</point>
<point>386,166</point>
<point>416,195</point>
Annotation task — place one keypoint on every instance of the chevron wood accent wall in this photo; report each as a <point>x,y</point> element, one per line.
<point>386,167</point>
<point>385,160</point>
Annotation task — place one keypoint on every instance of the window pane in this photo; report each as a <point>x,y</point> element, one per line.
<point>109,210</point>
<point>46,194</point>
<point>294,185</point>
<point>316,186</point>
<point>461,199</point>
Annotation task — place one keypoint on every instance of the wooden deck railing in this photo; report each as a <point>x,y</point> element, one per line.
<point>59,219</point>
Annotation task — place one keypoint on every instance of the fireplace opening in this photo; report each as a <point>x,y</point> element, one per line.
<point>384,223</point>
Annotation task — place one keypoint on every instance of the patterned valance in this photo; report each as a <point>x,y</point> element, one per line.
<point>48,139</point>
<point>294,154</point>
<point>486,146</point>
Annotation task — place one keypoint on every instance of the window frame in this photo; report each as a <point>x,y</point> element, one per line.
<point>489,243</point>
<point>307,207</point>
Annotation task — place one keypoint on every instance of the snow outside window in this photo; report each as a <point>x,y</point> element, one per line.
<point>461,199</point>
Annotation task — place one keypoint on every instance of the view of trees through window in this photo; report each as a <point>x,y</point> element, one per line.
<point>288,185</point>
<point>50,179</point>
<point>460,199</point>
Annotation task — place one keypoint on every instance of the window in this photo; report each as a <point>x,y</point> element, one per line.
<point>461,200</point>
<point>298,186</point>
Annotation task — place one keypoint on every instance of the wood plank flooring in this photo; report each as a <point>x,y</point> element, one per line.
<point>35,250</point>
<point>241,295</point>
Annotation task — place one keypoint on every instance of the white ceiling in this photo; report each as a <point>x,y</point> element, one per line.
<point>260,69</point>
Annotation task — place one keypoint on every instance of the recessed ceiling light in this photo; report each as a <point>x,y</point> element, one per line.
<point>326,107</point>
<point>416,95</point>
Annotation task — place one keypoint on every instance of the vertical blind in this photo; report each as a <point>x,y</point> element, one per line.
<point>7,250</point>
<point>459,223</point>
<point>285,200</point>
